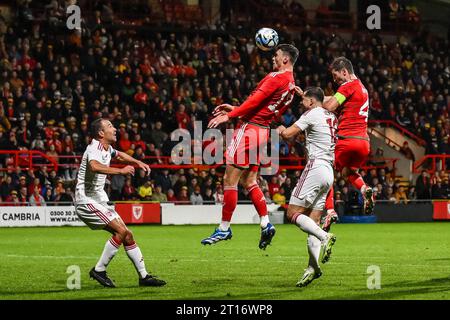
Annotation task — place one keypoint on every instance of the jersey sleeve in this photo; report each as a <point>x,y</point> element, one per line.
<point>304,122</point>
<point>343,93</point>
<point>94,154</point>
<point>268,87</point>
<point>114,152</point>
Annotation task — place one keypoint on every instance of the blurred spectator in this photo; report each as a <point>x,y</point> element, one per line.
<point>183,195</point>
<point>423,186</point>
<point>412,193</point>
<point>273,185</point>
<point>390,195</point>
<point>128,190</point>
<point>196,197</point>
<point>400,195</point>
<point>438,190</point>
<point>267,197</point>
<point>117,184</point>
<point>36,199</point>
<point>218,195</point>
<point>23,195</point>
<point>64,197</point>
<point>279,197</point>
<point>13,199</point>
<point>158,195</point>
<point>145,191</point>
<point>171,196</point>
<point>208,197</point>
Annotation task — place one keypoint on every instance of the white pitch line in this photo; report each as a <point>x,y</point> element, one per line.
<point>236,260</point>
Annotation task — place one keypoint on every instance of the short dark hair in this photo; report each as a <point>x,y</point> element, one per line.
<point>314,92</point>
<point>342,63</point>
<point>290,50</point>
<point>96,127</point>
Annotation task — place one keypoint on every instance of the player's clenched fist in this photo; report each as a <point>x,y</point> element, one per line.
<point>128,170</point>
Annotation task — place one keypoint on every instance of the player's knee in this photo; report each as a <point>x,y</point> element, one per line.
<point>129,237</point>
<point>290,213</point>
<point>125,235</point>
<point>248,183</point>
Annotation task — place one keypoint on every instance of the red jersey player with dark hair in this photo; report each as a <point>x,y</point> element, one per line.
<point>351,102</point>
<point>270,99</point>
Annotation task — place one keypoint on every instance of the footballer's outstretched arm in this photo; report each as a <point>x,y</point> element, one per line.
<point>289,133</point>
<point>124,157</point>
<point>97,167</point>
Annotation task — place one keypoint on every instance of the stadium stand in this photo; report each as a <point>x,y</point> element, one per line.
<point>152,79</point>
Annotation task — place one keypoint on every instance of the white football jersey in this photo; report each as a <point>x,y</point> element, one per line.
<point>91,186</point>
<point>319,126</point>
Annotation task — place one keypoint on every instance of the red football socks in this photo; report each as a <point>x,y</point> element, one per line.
<point>356,180</point>
<point>329,203</point>
<point>230,198</point>
<point>257,197</point>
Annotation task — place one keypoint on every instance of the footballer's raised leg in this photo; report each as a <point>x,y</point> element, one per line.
<point>249,182</point>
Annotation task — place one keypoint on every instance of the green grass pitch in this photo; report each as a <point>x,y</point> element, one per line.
<point>414,259</point>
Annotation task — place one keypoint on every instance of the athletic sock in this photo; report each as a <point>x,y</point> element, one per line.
<point>357,181</point>
<point>314,245</point>
<point>264,221</point>
<point>259,201</point>
<point>329,203</point>
<point>308,225</point>
<point>135,255</point>
<point>110,250</point>
<point>224,225</point>
<point>230,197</point>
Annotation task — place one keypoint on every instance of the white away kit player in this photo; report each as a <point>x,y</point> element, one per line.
<point>91,202</point>
<point>308,197</point>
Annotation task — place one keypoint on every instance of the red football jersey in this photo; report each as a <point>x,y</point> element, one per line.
<point>354,109</point>
<point>270,99</point>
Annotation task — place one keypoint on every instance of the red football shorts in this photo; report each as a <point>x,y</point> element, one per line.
<point>351,153</point>
<point>248,146</point>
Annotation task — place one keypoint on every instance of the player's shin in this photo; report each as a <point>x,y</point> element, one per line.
<point>314,245</point>
<point>230,197</point>
<point>357,181</point>
<point>110,250</point>
<point>329,202</point>
<point>257,197</point>
<point>135,255</point>
<point>308,225</point>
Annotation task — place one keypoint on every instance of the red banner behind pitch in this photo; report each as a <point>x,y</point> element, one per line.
<point>441,210</point>
<point>139,212</point>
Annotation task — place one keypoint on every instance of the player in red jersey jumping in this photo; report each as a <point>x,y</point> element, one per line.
<point>351,102</point>
<point>270,99</point>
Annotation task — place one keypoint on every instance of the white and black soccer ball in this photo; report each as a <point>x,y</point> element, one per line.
<point>266,39</point>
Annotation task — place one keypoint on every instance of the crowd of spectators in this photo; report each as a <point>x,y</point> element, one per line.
<point>149,83</point>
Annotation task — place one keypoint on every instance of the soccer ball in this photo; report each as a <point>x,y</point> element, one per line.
<point>266,39</point>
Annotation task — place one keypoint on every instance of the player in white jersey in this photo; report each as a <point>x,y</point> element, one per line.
<point>308,197</point>
<point>91,202</point>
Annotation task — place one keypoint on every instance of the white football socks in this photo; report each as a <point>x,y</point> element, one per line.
<point>314,245</point>
<point>264,221</point>
<point>135,255</point>
<point>224,225</point>
<point>110,250</point>
<point>309,226</point>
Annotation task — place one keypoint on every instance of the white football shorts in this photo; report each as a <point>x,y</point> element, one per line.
<point>312,188</point>
<point>96,215</point>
